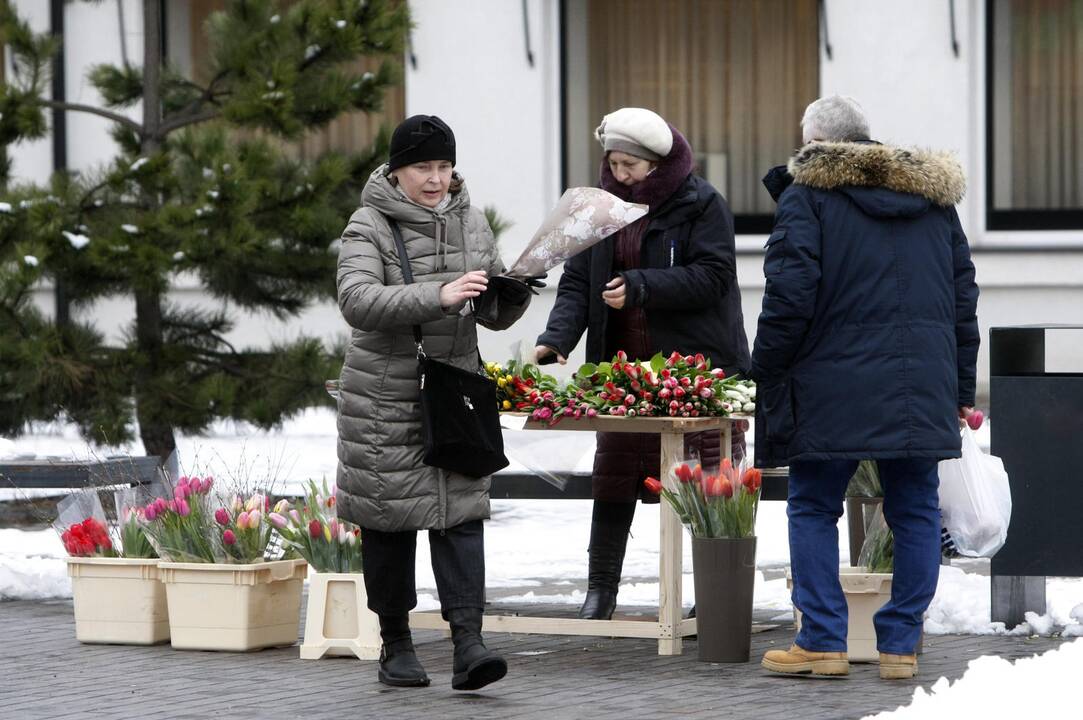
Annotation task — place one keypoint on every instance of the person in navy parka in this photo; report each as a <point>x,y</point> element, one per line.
<point>866,349</point>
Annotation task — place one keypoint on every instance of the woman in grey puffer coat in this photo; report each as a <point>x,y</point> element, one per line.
<point>383,484</point>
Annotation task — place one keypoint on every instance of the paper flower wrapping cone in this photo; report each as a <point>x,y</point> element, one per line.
<point>582,217</point>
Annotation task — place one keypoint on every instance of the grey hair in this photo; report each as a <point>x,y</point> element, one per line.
<point>834,118</point>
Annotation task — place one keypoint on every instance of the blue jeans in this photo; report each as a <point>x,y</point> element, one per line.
<point>912,510</point>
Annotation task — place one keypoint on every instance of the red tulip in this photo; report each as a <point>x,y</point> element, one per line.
<point>229,538</point>
<point>653,484</point>
<point>717,486</point>
<point>697,474</point>
<point>314,529</point>
<point>975,419</point>
<point>683,473</point>
<point>752,479</point>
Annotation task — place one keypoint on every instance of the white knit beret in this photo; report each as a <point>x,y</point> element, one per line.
<point>636,131</point>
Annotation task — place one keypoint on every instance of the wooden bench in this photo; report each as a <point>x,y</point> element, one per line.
<point>62,474</point>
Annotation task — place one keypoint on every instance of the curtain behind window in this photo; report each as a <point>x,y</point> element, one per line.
<point>733,75</point>
<point>1040,114</point>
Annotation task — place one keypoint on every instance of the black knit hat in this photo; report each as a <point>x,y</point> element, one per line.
<point>421,138</point>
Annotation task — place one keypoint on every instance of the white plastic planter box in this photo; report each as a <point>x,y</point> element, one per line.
<point>236,608</point>
<point>338,621</point>
<point>865,594</point>
<point>118,600</point>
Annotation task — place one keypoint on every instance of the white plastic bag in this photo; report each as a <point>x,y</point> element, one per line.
<point>975,500</point>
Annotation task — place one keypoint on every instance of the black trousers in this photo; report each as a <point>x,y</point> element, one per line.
<point>458,562</point>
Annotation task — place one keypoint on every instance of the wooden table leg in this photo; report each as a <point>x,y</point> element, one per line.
<point>727,439</point>
<point>669,555</point>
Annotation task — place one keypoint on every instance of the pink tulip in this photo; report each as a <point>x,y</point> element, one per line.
<point>183,509</point>
<point>277,520</point>
<point>171,505</point>
<point>221,516</point>
<point>975,419</point>
<point>242,520</point>
<point>254,519</point>
<point>151,512</point>
<point>207,482</point>
<point>180,492</point>
<point>195,486</point>
<point>237,505</point>
<point>266,503</point>
<point>295,516</point>
<point>229,538</point>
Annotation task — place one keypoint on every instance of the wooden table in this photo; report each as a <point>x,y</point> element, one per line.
<point>670,627</point>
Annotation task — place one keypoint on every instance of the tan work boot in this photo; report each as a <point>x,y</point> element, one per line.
<point>898,667</point>
<point>798,661</point>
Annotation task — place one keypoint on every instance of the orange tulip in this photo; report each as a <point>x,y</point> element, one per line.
<point>752,479</point>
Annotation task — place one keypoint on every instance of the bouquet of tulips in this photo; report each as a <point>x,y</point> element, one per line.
<point>314,532</point>
<point>878,550</point>
<point>132,523</point>
<point>713,504</point>
<point>181,527</point>
<point>83,527</point>
<point>243,533</point>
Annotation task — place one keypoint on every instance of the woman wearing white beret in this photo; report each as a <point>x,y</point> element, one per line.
<point>665,283</point>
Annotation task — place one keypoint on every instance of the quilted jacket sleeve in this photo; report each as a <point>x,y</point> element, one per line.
<point>791,266</point>
<point>366,300</point>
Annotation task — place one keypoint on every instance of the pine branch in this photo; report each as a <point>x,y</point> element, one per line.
<point>90,109</point>
<point>189,119</point>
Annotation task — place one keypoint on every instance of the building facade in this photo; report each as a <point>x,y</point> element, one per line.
<point>524,84</point>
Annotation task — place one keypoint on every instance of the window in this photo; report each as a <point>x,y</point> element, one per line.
<point>1035,112</point>
<point>734,76</point>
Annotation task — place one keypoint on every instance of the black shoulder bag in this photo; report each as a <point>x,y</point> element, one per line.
<point>460,423</point>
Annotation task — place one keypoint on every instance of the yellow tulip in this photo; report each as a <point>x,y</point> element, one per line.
<point>327,533</point>
<point>501,383</point>
<point>507,404</point>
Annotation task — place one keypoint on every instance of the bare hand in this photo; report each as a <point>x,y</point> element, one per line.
<point>543,351</point>
<point>614,295</point>
<point>470,285</point>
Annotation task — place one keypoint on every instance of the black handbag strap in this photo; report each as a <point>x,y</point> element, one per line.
<point>407,277</point>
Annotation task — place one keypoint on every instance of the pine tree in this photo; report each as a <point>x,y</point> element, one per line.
<point>205,185</point>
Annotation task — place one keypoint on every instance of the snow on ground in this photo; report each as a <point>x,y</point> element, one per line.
<point>536,550</point>
<point>1042,686</point>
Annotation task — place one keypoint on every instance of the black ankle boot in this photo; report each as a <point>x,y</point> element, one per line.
<point>475,665</point>
<point>599,604</point>
<point>399,665</point>
<point>608,540</point>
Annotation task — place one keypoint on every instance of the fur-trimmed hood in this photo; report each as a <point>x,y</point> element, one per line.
<point>936,176</point>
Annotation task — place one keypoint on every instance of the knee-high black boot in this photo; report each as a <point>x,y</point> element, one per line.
<point>609,528</point>
<point>399,665</point>
<point>474,665</point>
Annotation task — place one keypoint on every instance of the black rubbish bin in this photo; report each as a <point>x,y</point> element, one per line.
<point>1037,429</point>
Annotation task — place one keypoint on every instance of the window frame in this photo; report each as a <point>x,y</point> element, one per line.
<point>1012,220</point>
<point>743,224</point>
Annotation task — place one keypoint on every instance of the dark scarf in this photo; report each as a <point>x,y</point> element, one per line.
<point>659,186</point>
<point>627,328</point>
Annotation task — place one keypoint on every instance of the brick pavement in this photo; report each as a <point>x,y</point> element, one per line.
<point>45,673</point>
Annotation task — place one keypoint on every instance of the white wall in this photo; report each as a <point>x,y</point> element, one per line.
<point>31,161</point>
<point>472,71</point>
